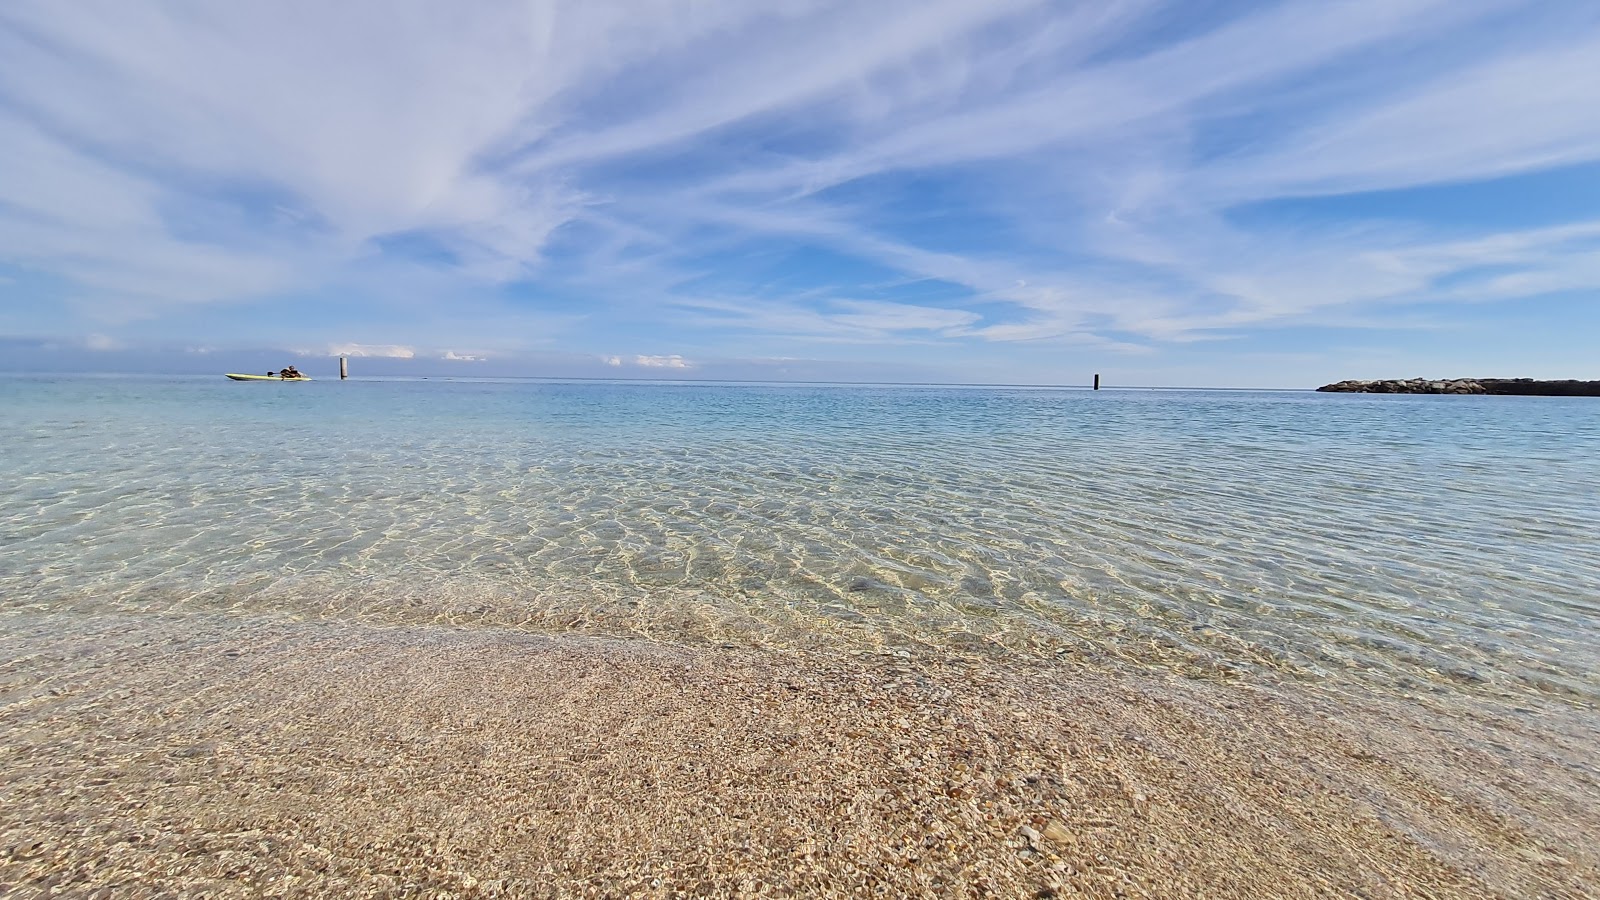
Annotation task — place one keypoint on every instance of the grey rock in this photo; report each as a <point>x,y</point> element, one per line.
<point>1497,386</point>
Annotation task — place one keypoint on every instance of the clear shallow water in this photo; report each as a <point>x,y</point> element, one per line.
<point>1443,543</point>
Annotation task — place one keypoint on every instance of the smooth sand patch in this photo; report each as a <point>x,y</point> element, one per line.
<point>203,756</point>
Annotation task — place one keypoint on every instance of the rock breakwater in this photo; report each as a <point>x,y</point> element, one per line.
<point>1502,386</point>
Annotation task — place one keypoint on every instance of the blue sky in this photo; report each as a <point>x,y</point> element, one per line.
<point>1168,193</point>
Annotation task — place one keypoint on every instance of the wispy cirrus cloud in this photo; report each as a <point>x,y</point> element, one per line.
<point>1114,178</point>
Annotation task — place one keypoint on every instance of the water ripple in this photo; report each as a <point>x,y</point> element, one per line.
<point>1416,543</point>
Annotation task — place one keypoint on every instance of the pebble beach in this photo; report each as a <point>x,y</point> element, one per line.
<point>184,757</point>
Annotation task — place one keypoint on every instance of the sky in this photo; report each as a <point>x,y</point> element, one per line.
<point>1186,193</point>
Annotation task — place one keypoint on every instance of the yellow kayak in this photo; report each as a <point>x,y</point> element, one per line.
<point>265,378</point>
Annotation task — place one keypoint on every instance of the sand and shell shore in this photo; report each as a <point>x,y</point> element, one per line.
<point>208,756</point>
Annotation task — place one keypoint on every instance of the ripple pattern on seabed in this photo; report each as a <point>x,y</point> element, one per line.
<point>1442,543</point>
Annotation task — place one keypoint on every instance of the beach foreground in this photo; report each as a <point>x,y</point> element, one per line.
<point>198,756</point>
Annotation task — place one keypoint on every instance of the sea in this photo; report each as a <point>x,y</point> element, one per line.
<point>1402,545</point>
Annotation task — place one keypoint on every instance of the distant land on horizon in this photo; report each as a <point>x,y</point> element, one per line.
<point>1527,387</point>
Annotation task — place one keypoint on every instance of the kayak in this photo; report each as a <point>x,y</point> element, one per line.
<point>265,378</point>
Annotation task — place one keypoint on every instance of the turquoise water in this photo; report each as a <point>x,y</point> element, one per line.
<point>1405,543</point>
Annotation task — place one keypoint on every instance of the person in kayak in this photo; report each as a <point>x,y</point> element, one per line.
<point>291,372</point>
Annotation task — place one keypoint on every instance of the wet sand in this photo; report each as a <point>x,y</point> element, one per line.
<point>208,756</point>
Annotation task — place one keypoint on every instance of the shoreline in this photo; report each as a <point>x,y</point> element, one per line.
<point>218,755</point>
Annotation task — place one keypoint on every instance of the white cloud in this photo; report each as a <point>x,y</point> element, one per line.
<point>453,356</point>
<point>1503,116</point>
<point>408,158</point>
<point>663,362</point>
<point>879,316</point>
<point>800,60</point>
<point>386,351</point>
<point>1102,105</point>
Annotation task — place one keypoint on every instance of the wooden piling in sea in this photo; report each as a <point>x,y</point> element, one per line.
<point>1097,381</point>
<point>344,369</point>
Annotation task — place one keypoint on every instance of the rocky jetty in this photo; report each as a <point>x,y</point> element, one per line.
<point>1506,386</point>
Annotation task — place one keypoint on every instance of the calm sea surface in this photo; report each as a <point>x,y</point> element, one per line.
<point>1445,544</point>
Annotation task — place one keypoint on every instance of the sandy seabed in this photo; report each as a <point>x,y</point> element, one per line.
<point>209,757</point>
